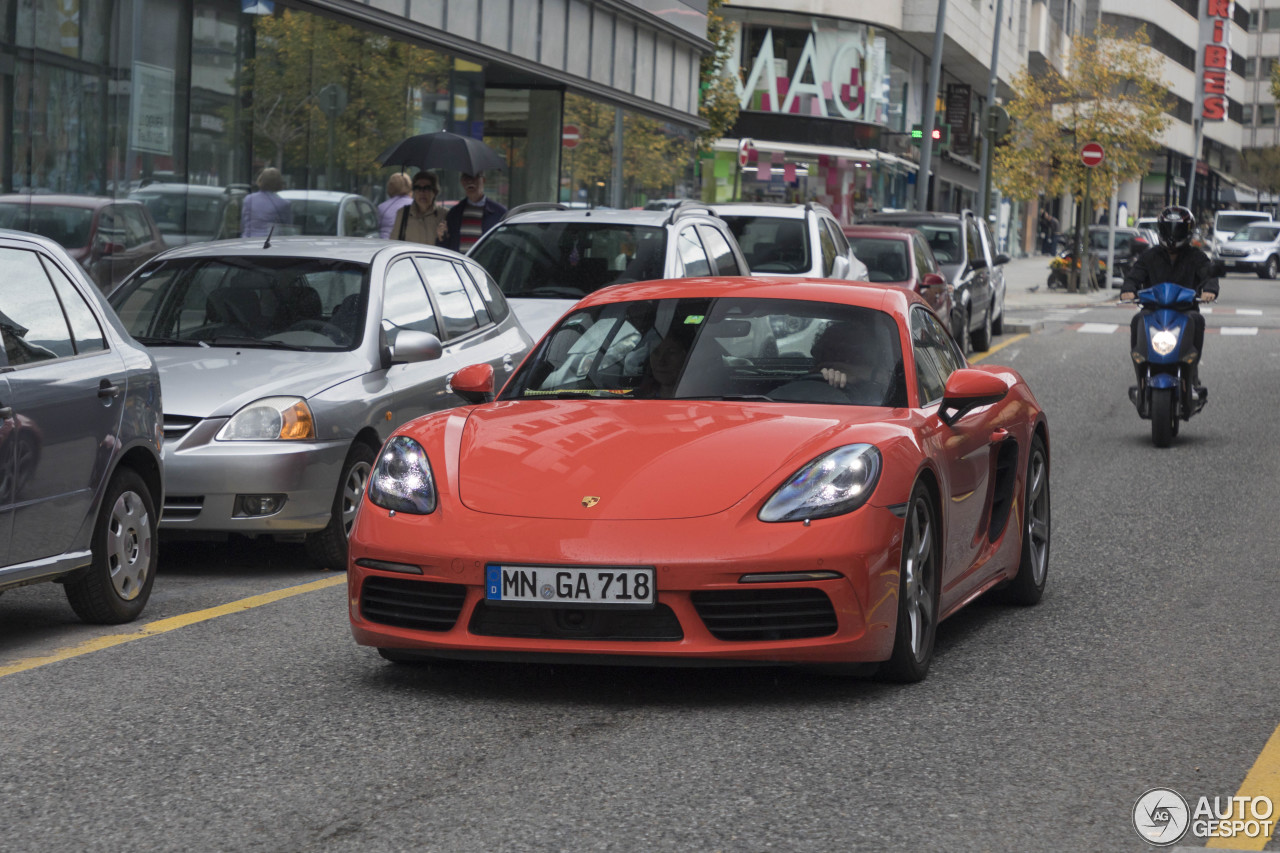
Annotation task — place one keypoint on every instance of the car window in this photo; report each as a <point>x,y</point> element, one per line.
<point>404,302</point>
<point>692,254</point>
<point>771,243</point>
<point>31,318</point>
<point>457,312</point>
<point>721,252</point>
<point>489,292</point>
<point>136,228</point>
<point>366,218</point>
<point>924,260</point>
<point>973,243</point>
<point>842,244</point>
<point>85,331</point>
<point>885,257</point>
<point>439,272</point>
<point>769,350</point>
<point>67,226</point>
<point>567,260</point>
<point>944,240</point>
<point>828,245</point>
<point>935,355</point>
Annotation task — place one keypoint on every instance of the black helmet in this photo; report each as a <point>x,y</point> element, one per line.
<point>1175,226</point>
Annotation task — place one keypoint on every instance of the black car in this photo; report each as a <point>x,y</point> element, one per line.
<point>969,262</point>
<point>1130,242</point>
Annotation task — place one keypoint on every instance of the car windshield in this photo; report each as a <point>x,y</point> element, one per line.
<point>771,243</point>
<point>184,213</point>
<point>65,225</point>
<point>568,260</point>
<point>1257,233</point>
<point>311,217</point>
<point>307,303</point>
<point>769,350</point>
<point>1234,222</point>
<point>886,258</point>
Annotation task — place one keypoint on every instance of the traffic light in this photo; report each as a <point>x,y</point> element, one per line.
<point>941,135</point>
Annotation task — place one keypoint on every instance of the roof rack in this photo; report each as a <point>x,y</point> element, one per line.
<point>689,207</point>
<point>530,207</point>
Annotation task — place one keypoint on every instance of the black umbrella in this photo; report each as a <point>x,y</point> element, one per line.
<point>443,150</point>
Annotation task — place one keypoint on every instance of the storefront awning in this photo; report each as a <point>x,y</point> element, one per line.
<point>1237,195</point>
<point>799,149</point>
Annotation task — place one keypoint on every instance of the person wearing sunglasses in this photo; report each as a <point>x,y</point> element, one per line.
<point>423,220</point>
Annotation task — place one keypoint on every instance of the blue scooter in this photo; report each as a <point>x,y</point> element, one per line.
<point>1163,353</point>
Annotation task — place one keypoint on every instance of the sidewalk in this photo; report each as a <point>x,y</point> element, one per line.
<point>1027,293</point>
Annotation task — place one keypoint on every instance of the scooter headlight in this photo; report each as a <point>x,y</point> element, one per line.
<point>1164,341</point>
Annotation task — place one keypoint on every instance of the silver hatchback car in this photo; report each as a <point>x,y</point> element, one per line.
<point>286,364</point>
<point>80,444</point>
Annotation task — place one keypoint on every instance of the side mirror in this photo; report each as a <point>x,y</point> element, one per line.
<point>474,383</point>
<point>978,263</point>
<point>1002,258</point>
<point>968,389</point>
<point>930,280</point>
<point>411,347</point>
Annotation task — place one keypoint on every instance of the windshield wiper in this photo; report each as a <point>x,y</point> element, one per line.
<point>234,341</point>
<point>168,342</point>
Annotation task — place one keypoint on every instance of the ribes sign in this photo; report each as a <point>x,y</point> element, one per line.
<point>1215,48</point>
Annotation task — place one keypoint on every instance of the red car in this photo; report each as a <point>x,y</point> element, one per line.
<point>729,470</point>
<point>902,257</point>
<point>108,237</point>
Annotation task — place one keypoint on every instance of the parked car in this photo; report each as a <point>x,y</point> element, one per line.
<point>902,257</point>
<point>1130,243</point>
<point>962,244</point>
<point>108,237</point>
<point>1254,248</point>
<point>545,256</point>
<point>802,240</point>
<point>192,213</point>
<point>80,457</point>
<point>286,367</point>
<point>318,213</point>
<point>643,496</point>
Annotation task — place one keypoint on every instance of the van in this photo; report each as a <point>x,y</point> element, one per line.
<point>1227,222</point>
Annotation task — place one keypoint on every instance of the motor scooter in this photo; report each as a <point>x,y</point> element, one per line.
<point>1163,353</point>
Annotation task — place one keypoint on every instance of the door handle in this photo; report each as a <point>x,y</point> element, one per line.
<point>107,391</point>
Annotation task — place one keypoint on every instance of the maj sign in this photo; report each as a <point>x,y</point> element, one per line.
<point>836,73</point>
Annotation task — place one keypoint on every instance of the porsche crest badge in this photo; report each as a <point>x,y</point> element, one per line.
<point>590,500</point>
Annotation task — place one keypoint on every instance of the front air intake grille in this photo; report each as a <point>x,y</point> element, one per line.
<point>566,623</point>
<point>181,507</point>
<point>420,605</point>
<point>176,426</point>
<point>766,614</point>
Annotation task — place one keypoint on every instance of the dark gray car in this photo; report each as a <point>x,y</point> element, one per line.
<point>80,456</point>
<point>287,362</point>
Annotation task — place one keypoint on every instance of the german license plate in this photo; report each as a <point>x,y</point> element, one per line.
<point>577,587</point>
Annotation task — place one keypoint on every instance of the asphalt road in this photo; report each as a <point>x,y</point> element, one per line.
<point>1149,663</point>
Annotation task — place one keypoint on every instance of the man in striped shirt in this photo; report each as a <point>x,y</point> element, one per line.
<point>472,216</point>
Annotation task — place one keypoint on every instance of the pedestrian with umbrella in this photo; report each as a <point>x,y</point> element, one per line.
<point>475,214</point>
<point>421,221</point>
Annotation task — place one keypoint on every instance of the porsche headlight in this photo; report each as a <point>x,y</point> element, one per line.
<point>402,479</point>
<point>271,419</point>
<point>1164,341</point>
<point>836,482</point>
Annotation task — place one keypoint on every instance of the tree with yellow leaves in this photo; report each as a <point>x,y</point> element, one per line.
<point>1112,93</point>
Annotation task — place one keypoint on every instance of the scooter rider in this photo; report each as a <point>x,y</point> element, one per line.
<point>1174,260</point>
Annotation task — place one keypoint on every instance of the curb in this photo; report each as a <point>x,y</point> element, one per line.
<point>1019,327</point>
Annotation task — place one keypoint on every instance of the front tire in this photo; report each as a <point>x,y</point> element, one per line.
<point>114,588</point>
<point>1163,415</point>
<point>1272,268</point>
<point>1033,568</point>
<point>918,592</point>
<point>328,548</point>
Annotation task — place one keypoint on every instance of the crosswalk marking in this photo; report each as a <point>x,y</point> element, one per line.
<point>1098,328</point>
<point>1239,330</point>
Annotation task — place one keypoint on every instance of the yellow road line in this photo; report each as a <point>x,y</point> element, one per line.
<point>163,626</point>
<point>1263,780</point>
<point>995,349</point>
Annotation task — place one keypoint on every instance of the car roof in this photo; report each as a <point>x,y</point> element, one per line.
<point>920,216</point>
<point>878,231</point>
<point>180,189</point>
<point>317,195</point>
<point>894,300</point>
<point>356,249</point>
<point>776,210</point>
<point>91,202</point>
<point>612,216</point>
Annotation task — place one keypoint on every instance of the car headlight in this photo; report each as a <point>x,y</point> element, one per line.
<point>837,482</point>
<point>1164,341</point>
<point>402,479</point>
<point>271,419</point>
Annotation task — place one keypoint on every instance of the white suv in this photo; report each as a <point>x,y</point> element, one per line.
<point>1227,222</point>
<point>802,240</point>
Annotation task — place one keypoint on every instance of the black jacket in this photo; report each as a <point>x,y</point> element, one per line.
<point>1190,268</point>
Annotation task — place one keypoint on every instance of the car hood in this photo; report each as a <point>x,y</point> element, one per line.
<point>207,382</point>
<point>642,459</point>
<point>1249,245</point>
<point>536,316</point>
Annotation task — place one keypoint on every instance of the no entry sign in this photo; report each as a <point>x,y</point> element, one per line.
<point>1091,154</point>
<point>570,135</point>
